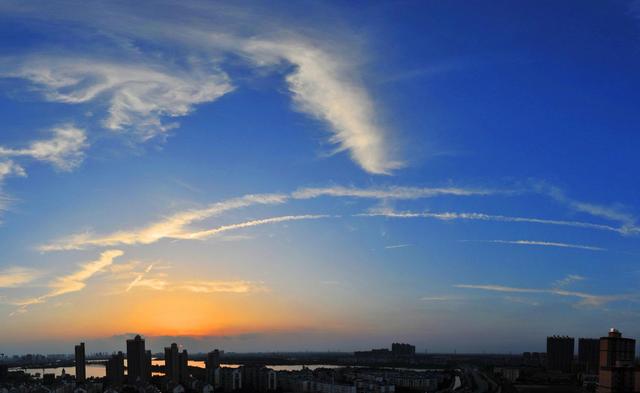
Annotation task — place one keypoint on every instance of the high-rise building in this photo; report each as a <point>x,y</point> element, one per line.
<point>401,349</point>
<point>617,371</point>
<point>137,367</point>
<point>212,365</point>
<point>171,364</point>
<point>183,359</point>
<point>81,371</point>
<point>560,353</point>
<point>147,365</point>
<point>589,355</point>
<point>115,370</point>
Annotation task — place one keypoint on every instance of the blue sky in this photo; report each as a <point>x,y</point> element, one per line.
<point>334,175</point>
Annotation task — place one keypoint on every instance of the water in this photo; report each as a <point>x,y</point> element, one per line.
<point>99,370</point>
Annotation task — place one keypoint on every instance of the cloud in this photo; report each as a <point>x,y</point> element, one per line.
<point>322,71</point>
<point>170,227</point>
<point>451,216</point>
<point>238,286</point>
<point>585,298</point>
<point>324,85</point>
<point>136,95</point>
<point>570,279</point>
<point>138,278</point>
<point>65,150</point>
<point>388,192</point>
<point>542,244</point>
<point>8,168</point>
<point>397,246</point>
<point>17,276</point>
<point>611,213</point>
<point>200,235</point>
<point>438,298</point>
<point>75,281</point>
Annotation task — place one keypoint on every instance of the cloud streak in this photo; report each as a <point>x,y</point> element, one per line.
<point>172,227</point>
<point>322,72</point>
<point>72,282</point>
<point>64,150</point>
<point>585,298</point>
<point>542,244</point>
<point>396,192</point>
<point>452,216</point>
<point>17,276</point>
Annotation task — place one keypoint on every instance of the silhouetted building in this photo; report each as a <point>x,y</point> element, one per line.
<point>138,368</point>
<point>401,349</point>
<point>115,370</point>
<point>212,365</point>
<point>617,371</point>
<point>230,379</point>
<point>258,379</point>
<point>589,355</point>
<point>148,363</point>
<point>80,361</point>
<point>171,364</point>
<point>183,359</point>
<point>560,353</point>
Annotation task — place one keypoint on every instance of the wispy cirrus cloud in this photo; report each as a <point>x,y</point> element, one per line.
<point>64,150</point>
<point>17,276</point>
<point>137,96</point>
<point>568,280</point>
<point>232,286</point>
<point>452,216</point>
<point>585,298</point>
<point>394,192</point>
<point>200,235</point>
<point>322,71</point>
<point>8,168</point>
<point>73,282</point>
<point>537,243</point>
<point>614,213</point>
<point>170,227</point>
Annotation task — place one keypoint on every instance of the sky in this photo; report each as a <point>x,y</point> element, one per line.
<point>289,176</point>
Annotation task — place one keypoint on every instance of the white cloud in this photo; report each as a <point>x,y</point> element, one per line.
<point>568,280</point>
<point>397,246</point>
<point>612,213</point>
<point>170,227</point>
<point>200,235</point>
<point>73,282</point>
<point>450,216</point>
<point>137,96</point>
<point>8,168</point>
<point>388,192</point>
<point>543,244</point>
<point>322,70</point>
<point>17,276</point>
<point>65,150</point>
<point>325,85</point>
<point>585,298</point>
<point>237,286</point>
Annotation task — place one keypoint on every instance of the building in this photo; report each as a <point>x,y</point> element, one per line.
<point>618,373</point>
<point>401,349</point>
<point>138,367</point>
<point>230,379</point>
<point>589,355</point>
<point>171,364</point>
<point>115,370</point>
<point>80,361</point>
<point>183,360</point>
<point>212,364</point>
<point>560,353</point>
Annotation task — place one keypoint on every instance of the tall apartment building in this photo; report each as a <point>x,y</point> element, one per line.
<point>618,374</point>
<point>560,353</point>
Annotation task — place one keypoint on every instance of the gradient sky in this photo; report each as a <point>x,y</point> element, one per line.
<point>318,175</point>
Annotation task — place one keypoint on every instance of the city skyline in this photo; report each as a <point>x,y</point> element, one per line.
<point>318,176</point>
